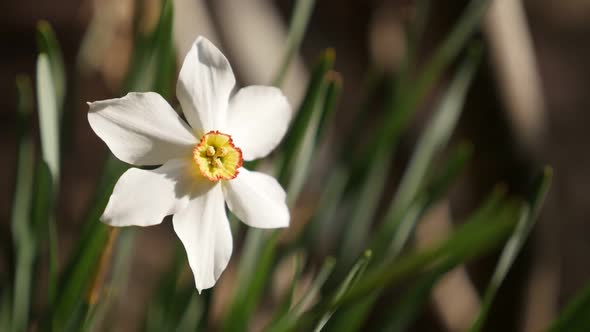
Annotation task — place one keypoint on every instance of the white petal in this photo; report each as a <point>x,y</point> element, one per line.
<point>257,199</point>
<point>204,230</point>
<point>258,118</point>
<point>204,85</point>
<point>141,129</point>
<point>145,197</point>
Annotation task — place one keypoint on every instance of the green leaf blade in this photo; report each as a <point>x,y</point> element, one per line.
<point>527,218</point>
<point>48,44</point>
<point>299,21</point>
<point>48,116</point>
<point>434,139</point>
<point>22,232</point>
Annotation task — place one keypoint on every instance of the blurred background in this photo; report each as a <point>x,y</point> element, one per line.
<point>527,107</point>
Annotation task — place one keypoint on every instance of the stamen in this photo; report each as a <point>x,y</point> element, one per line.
<point>217,162</point>
<point>210,151</point>
<point>217,157</point>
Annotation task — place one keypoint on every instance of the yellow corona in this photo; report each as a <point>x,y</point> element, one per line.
<point>217,157</point>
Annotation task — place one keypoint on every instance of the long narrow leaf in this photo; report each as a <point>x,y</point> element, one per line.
<point>351,279</point>
<point>322,224</point>
<point>78,274</point>
<point>303,155</point>
<point>299,21</point>
<point>22,232</point>
<point>189,321</point>
<point>49,127</point>
<point>48,116</point>
<point>433,140</point>
<point>254,271</point>
<point>576,315</point>
<point>405,311</point>
<point>526,221</point>
<point>333,91</point>
<point>410,93</point>
<point>288,321</point>
<point>163,58</point>
<point>408,98</point>
<point>288,299</point>
<point>476,237</point>
<point>5,311</point>
<point>300,141</point>
<point>49,45</point>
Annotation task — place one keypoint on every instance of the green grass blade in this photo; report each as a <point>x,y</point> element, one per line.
<point>314,290</point>
<point>22,232</point>
<point>435,137</point>
<point>104,289</point>
<point>153,62</point>
<point>164,55</point>
<point>432,142</point>
<point>42,199</point>
<point>303,155</point>
<point>431,194</point>
<point>25,162</point>
<point>486,228</point>
<point>49,45</point>
<point>255,269</point>
<point>408,97</point>
<point>406,310</point>
<point>52,278</point>
<point>287,302</point>
<point>49,127</point>
<point>140,73</point>
<point>322,223</point>
<point>333,91</point>
<point>315,90</point>
<point>367,202</point>
<point>471,240</point>
<point>6,311</point>
<point>22,284</point>
<point>448,173</point>
<point>452,45</point>
<point>575,317</point>
<point>410,93</point>
<point>43,207</point>
<point>351,317</point>
<point>110,278</point>
<point>189,321</point>
<point>300,142</point>
<point>299,21</point>
<point>156,319</point>
<point>48,116</point>
<point>288,321</point>
<point>78,274</point>
<point>172,300</point>
<point>526,221</point>
<point>414,34</point>
<point>351,279</point>
<point>373,79</point>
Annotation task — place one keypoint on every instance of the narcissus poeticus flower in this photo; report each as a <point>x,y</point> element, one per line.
<point>201,164</point>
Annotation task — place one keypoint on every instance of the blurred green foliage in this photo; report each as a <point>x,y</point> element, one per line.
<point>368,262</point>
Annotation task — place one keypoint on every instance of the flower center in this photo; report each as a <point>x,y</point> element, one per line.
<point>217,156</point>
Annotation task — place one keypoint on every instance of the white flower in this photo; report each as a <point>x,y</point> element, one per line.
<point>201,163</point>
